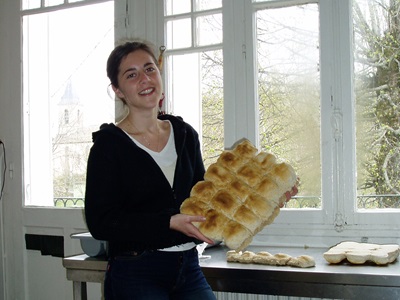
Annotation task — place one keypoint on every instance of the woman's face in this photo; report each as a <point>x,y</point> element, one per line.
<point>139,81</point>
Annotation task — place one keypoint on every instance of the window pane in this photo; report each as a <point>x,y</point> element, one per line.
<point>179,34</point>
<point>175,7</point>
<point>208,4</point>
<point>377,78</point>
<point>65,98</point>
<point>196,85</point>
<point>53,2</point>
<point>209,29</point>
<point>212,105</point>
<point>194,79</point>
<point>30,4</point>
<point>289,93</point>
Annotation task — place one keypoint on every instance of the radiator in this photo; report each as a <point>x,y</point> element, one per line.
<point>238,296</point>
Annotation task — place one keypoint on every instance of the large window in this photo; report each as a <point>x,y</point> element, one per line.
<point>195,69</point>
<point>65,94</point>
<point>314,82</point>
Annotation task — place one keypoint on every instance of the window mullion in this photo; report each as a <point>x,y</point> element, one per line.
<point>240,107</point>
<point>349,183</point>
<point>337,127</point>
<point>121,18</point>
<point>193,24</point>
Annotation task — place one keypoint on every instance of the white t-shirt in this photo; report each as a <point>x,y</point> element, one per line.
<point>166,158</point>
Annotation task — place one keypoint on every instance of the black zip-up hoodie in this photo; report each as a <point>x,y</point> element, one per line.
<point>128,200</point>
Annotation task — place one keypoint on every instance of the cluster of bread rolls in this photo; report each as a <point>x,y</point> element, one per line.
<point>266,258</point>
<point>241,193</point>
<point>360,253</point>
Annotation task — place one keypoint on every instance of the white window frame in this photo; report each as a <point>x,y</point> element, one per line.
<point>47,199</point>
<point>51,219</point>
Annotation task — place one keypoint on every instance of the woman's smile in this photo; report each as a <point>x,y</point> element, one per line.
<point>147,91</point>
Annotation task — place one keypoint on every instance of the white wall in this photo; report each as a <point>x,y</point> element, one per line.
<point>9,106</point>
<point>2,267</point>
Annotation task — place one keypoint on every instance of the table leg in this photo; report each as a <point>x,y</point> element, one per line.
<point>80,292</point>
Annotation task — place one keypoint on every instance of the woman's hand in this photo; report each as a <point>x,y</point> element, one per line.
<point>183,223</point>
<point>293,192</point>
<point>289,195</point>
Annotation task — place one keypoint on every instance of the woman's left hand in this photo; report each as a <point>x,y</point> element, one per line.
<point>183,223</point>
<point>289,195</point>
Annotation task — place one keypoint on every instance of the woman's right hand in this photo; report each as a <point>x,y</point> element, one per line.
<point>184,224</point>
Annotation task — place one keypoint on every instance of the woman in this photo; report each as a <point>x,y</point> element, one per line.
<point>139,172</point>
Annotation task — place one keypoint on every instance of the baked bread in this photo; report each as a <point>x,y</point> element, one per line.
<point>241,193</point>
<point>246,257</point>
<point>360,253</point>
<point>302,261</point>
<point>266,258</point>
<point>233,256</point>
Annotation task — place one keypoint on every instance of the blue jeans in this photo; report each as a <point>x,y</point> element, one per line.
<point>157,275</point>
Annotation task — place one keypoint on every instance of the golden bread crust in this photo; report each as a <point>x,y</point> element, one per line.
<point>241,194</point>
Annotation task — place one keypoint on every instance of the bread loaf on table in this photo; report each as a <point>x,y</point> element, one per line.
<point>360,253</point>
<point>266,258</point>
<point>241,193</point>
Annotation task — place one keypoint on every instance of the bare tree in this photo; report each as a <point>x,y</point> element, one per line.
<point>377,34</point>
